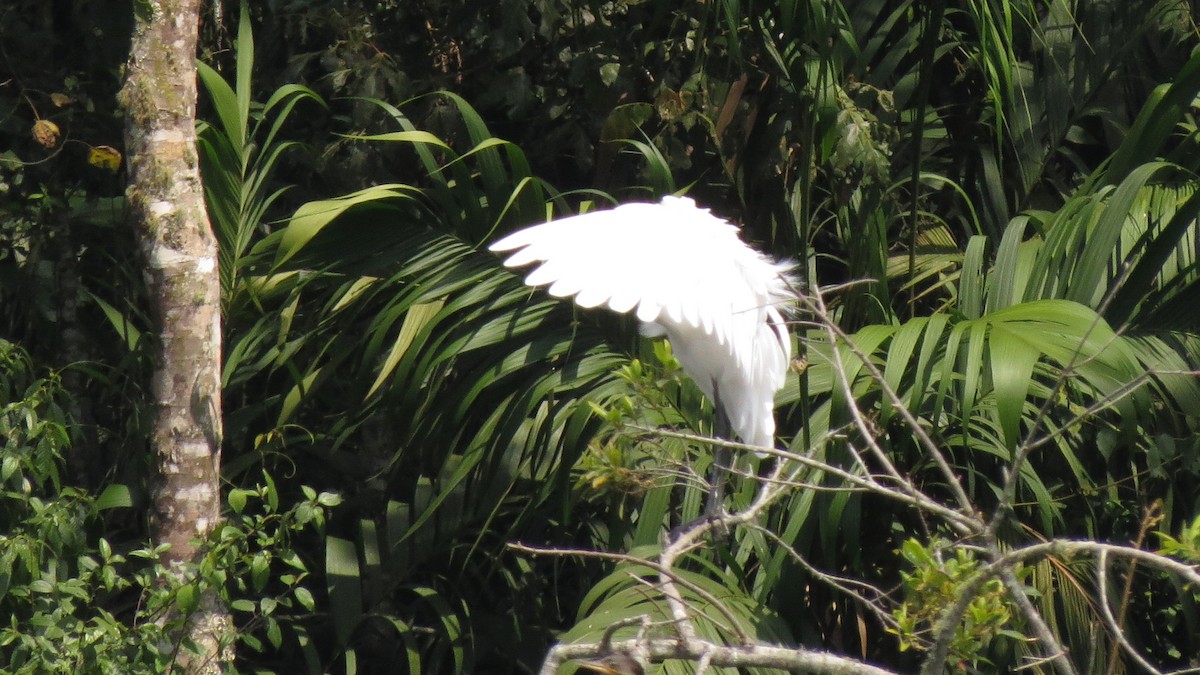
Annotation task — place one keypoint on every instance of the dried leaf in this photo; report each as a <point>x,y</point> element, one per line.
<point>673,104</point>
<point>105,157</point>
<point>46,133</point>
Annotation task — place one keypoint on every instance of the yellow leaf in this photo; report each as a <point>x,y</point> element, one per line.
<point>105,157</point>
<point>46,133</point>
<point>59,100</point>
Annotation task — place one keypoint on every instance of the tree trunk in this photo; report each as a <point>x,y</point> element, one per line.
<point>180,258</point>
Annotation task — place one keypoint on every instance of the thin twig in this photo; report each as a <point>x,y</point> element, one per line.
<point>952,615</point>
<point>664,572</point>
<point>1114,626</point>
<point>839,583</point>
<point>837,335</point>
<point>1152,517</point>
<point>1055,652</point>
<point>962,524</point>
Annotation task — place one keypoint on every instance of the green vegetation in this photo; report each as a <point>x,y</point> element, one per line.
<point>996,199</point>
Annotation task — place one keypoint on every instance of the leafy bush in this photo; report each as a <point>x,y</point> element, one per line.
<point>77,604</point>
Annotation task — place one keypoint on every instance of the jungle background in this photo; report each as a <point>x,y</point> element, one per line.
<point>999,197</point>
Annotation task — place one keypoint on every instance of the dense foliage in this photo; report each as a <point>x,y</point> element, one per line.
<point>1000,198</point>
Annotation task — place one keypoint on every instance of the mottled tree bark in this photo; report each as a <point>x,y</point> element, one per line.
<point>180,257</point>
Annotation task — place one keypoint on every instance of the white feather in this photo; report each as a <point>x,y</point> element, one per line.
<point>690,277</point>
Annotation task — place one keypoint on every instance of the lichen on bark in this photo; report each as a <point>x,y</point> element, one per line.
<point>180,253</point>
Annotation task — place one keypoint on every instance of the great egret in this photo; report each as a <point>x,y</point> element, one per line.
<point>689,276</point>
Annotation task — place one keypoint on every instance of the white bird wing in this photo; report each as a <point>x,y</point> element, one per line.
<point>635,255</point>
<point>687,272</point>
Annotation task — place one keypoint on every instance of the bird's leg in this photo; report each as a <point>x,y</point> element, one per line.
<point>718,474</point>
<point>714,506</point>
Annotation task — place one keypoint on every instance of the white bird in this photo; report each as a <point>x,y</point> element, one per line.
<point>689,276</point>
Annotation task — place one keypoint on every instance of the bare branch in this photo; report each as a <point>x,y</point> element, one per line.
<point>1055,652</point>
<point>816,304</point>
<point>742,656</point>
<point>871,471</point>
<point>840,584</point>
<point>911,496</point>
<point>944,630</point>
<point>1111,621</point>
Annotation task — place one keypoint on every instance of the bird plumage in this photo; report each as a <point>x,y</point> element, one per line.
<point>687,275</point>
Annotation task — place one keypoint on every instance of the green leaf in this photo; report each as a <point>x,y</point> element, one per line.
<point>114,496</point>
<point>260,568</point>
<point>187,598</point>
<point>1155,122</point>
<point>609,73</point>
<point>274,633</point>
<point>237,500</point>
<point>243,605</point>
<point>1012,362</point>
<point>305,598</point>
<point>124,327</point>
<point>419,319</point>
<point>313,217</point>
<point>344,586</point>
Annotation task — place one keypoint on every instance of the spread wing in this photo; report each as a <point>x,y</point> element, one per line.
<point>685,272</point>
